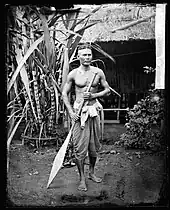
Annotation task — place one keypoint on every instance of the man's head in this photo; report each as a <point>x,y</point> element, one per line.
<point>85,54</point>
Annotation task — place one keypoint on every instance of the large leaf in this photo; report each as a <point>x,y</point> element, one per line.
<point>53,20</point>
<point>71,32</point>
<point>57,102</point>
<point>25,80</point>
<point>41,56</point>
<point>76,41</point>
<point>99,49</point>
<point>55,83</point>
<point>12,114</point>
<point>65,67</point>
<point>39,64</point>
<point>15,88</point>
<point>81,30</point>
<point>52,57</point>
<point>13,132</point>
<point>74,21</point>
<point>11,107</point>
<point>47,38</point>
<point>87,16</point>
<point>16,126</point>
<point>41,129</point>
<point>24,59</point>
<point>71,18</point>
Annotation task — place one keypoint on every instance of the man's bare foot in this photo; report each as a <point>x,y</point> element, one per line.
<point>94,178</point>
<point>82,186</point>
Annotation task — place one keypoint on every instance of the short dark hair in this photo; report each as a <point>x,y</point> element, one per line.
<point>86,45</point>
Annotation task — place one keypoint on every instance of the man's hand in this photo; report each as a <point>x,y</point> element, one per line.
<point>87,95</point>
<point>74,116</point>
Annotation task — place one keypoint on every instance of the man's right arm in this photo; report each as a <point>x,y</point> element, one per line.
<point>66,89</point>
<point>65,92</point>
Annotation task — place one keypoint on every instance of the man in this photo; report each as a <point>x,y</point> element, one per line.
<point>86,132</point>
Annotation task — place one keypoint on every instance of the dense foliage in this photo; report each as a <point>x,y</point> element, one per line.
<point>143,129</point>
<point>41,50</point>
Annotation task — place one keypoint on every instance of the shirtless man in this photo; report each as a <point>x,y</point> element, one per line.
<point>86,132</point>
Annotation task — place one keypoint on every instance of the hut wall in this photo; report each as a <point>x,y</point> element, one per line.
<point>127,75</point>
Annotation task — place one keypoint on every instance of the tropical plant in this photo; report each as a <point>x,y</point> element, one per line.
<point>41,44</point>
<point>142,118</point>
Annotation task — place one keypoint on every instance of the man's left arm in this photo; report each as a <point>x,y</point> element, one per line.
<point>105,86</point>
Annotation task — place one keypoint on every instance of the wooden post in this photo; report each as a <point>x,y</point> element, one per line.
<point>160,46</point>
<point>118,112</point>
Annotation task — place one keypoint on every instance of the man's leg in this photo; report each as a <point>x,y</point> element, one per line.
<point>80,165</point>
<point>94,145</point>
<point>92,161</point>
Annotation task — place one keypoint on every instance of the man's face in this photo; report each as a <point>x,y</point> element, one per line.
<point>85,56</point>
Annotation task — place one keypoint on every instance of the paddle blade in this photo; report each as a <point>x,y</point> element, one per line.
<point>58,161</point>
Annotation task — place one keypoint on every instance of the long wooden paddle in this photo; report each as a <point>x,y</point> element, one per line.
<point>58,161</point>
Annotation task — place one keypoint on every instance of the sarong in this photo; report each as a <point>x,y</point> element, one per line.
<point>86,132</point>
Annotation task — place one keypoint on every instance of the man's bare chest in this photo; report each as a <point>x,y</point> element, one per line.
<point>83,79</point>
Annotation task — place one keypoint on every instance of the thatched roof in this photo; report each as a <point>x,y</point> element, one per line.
<point>111,16</point>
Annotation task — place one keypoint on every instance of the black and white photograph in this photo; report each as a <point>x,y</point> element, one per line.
<point>86,111</point>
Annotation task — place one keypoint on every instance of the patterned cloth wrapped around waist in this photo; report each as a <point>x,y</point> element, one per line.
<point>90,110</point>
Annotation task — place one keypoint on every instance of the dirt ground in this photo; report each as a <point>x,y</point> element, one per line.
<point>130,177</point>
